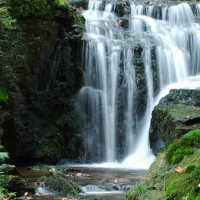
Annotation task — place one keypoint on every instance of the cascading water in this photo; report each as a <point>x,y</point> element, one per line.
<point>128,62</point>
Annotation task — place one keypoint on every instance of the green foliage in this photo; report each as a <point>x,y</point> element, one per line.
<point>6,20</point>
<point>60,2</point>
<point>164,182</point>
<point>183,111</point>
<point>136,192</point>
<point>185,185</point>
<point>183,146</point>
<point>9,51</point>
<point>177,151</point>
<point>32,8</point>
<point>77,19</point>
<point>3,95</point>
<point>192,139</point>
<point>4,193</point>
<point>61,184</point>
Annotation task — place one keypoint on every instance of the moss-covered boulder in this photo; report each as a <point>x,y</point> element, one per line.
<point>175,175</point>
<point>176,114</point>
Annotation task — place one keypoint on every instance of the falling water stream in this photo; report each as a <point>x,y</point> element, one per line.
<point>129,62</point>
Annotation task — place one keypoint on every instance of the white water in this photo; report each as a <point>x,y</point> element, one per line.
<point>115,128</point>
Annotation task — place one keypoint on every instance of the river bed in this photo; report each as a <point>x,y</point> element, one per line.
<point>95,183</point>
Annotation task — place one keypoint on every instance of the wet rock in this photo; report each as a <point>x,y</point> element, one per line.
<point>22,186</point>
<point>7,169</point>
<point>79,3</point>
<point>122,8</point>
<point>176,114</point>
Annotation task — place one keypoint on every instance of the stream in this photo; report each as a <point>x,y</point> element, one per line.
<point>95,183</point>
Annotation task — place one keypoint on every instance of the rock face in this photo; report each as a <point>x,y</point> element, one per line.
<point>42,124</point>
<point>176,114</point>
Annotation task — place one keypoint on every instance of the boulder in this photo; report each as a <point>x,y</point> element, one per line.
<point>176,114</point>
<point>7,169</point>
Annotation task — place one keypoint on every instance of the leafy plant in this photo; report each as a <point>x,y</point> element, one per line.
<point>4,193</point>
<point>32,8</point>
<point>5,19</point>
<point>136,192</point>
<point>3,95</point>
<point>60,2</point>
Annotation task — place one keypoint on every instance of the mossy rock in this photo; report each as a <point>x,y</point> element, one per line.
<point>61,184</point>
<point>163,180</point>
<point>185,185</point>
<point>32,8</point>
<point>3,95</point>
<point>175,115</point>
<point>6,20</point>
<point>183,112</point>
<point>184,146</point>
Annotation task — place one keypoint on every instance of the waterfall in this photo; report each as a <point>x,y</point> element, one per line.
<point>128,61</point>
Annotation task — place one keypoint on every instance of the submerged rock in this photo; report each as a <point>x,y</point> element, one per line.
<point>7,169</point>
<point>176,114</point>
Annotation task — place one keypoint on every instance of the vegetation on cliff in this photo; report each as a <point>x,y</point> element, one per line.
<point>32,8</point>
<point>4,182</point>
<point>39,67</point>
<point>175,175</point>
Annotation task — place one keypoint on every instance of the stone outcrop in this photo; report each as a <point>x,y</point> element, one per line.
<point>40,123</point>
<point>176,114</point>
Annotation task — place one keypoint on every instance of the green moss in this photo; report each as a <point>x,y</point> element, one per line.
<point>61,184</point>
<point>192,139</point>
<point>32,8</point>
<point>136,193</point>
<point>4,193</point>
<point>3,95</point>
<point>78,19</point>
<point>184,185</point>
<point>177,151</point>
<point>182,111</point>
<point>5,19</point>
<point>183,146</point>
<point>163,182</point>
<point>61,2</point>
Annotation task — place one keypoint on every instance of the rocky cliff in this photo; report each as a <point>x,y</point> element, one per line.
<point>42,57</point>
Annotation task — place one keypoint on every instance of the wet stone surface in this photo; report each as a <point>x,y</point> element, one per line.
<point>94,183</point>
